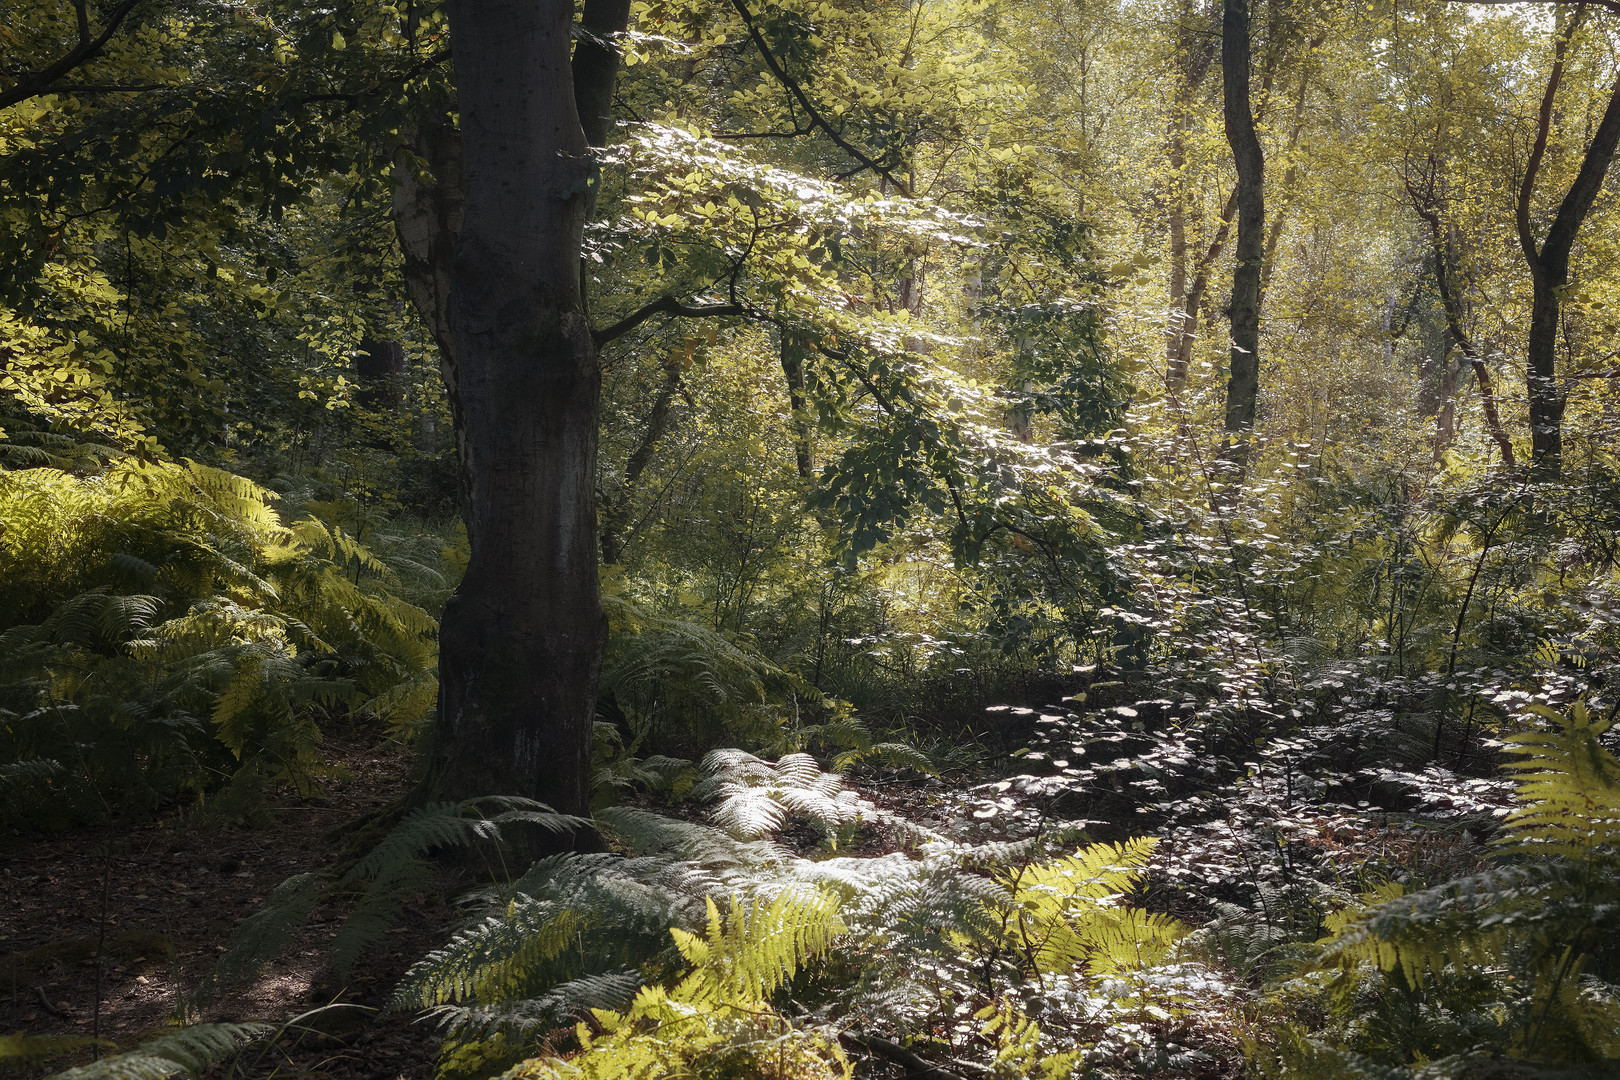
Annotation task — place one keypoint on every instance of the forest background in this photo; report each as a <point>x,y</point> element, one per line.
<point>1104,514</point>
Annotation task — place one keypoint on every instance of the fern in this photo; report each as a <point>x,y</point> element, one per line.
<point>150,599</point>
<point>189,1050</point>
<point>717,1014</point>
<point>1071,912</point>
<point>747,918</point>
<point>746,957</point>
<point>1543,916</point>
<point>376,887</point>
<point>264,934</point>
<point>1569,791</point>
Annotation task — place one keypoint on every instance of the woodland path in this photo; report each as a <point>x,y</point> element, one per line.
<point>176,890</point>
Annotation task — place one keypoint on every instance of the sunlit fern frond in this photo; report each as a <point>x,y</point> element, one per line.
<point>760,944</point>
<point>1569,789</point>
<point>1076,911</point>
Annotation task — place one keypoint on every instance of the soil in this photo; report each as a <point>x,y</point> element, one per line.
<point>111,932</point>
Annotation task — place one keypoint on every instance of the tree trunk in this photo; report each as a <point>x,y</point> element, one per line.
<point>1188,322</point>
<point>1242,388</point>
<point>521,640</point>
<point>427,216</point>
<point>1175,368</point>
<point>1193,57</point>
<point>379,369</point>
<point>1549,265</point>
<point>616,512</point>
<point>1291,172</point>
<point>793,353</point>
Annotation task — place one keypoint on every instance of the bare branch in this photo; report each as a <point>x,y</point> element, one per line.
<point>665,305</point>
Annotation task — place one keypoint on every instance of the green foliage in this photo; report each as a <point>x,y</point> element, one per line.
<point>1068,913</point>
<point>758,932</point>
<point>716,1017</point>
<point>163,614</point>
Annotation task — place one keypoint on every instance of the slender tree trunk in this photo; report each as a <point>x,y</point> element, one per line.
<point>1188,336</point>
<point>1175,367</point>
<point>1487,401</point>
<point>1243,386</point>
<point>1193,58</point>
<point>793,354</point>
<point>379,368</point>
<point>1427,204</point>
<point>1445,417</point>
<point>1549,264</point>
<point>616,514</point>
<point>521,640</point>
<point>1291,172</point>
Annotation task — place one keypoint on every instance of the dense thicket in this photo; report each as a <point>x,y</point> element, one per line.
<point>1230,580</point>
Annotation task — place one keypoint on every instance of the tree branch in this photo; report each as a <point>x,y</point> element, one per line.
<point>1583,192</point>
<point>917,1068</point>
<point>816,119</point>
<point>665,305</point>
<point>88,47</point>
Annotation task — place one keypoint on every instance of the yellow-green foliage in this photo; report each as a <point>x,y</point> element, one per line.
<point>1569,790</point>
<point>1019,1050</point>
<point>151,611</point>
<point>716,1021</point>
<point>1073,912</point>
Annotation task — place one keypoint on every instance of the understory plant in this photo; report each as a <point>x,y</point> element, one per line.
<point>164,634</point>
<point>1516,962</point>
<point>708,944</point>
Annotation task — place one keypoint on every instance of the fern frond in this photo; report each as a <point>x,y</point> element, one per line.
<point>746,956</point>
<point>264,934</point>
<point>1569,789</point>
<point>191,1050</point>
<point>1073,911</point>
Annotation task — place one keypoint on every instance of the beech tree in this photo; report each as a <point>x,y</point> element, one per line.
<point>521,640</point>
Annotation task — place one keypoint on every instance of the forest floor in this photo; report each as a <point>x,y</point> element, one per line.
<point>110,931</point>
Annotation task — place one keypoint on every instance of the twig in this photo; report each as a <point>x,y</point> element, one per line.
<point>45,1003</point>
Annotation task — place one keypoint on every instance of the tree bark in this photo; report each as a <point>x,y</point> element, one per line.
<point>1243,385</point>
<point>521,639</point>
<point>428,208</point>
<point>793,354</point>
